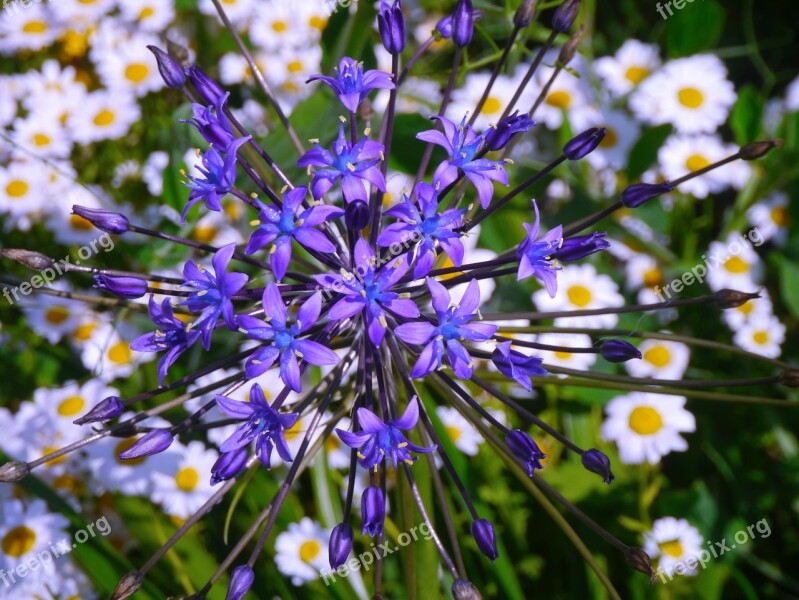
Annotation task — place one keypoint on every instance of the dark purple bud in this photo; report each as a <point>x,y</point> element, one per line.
<point>207,89</point>
<point>150,443</point>
<point>124,287</point>
<point>35,261</point>
<point>128,585</point>
<point>564,16</point>
<point>755,150</point>
<point>444,26</point>
<point>580,246</point>
<point>584,143</point>
<point>525,450</point>
<point>110,408</point>
<point>240,583</point>
<point>340,545</point>
<point>104,220</point>
<point>640,193</point>
<point>788,378</point>
<point>524,14</point>
<point>356,215</point>
<point>228,465</point>
<point>463,589</point>
<point>618,351</point>
<point>596,462</point>
<point>373,511</point>
<point>483,533</point>
<point>499,135</point>
<point>640,561</point>
<point>391,24</point>
<point>14,471</point>
<point>463,23</point>
<point>727,298</point>
<point>171,72</point>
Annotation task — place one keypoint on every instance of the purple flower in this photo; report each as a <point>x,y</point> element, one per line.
<point>171,71</point>
<point>108,408</point>
<point>463,23</point>
<point>444,26</point>
<point>516,365</point>
<point>173,336</point>
<point>391,24</point>
<point>462,145</point>
<point>598,462</point>
<point>240,583</point>
<point>340,545</point>
<point>228,465</point>
<point>264,425</point>
<point>525,450</point>
<point>352,164</point>
<point>104,220</point>
<point>218,177</point>
<point>367,289</point>
<point>373,511</point>
<point>584,143</point>
<point>214,294</point>
<point>212,123</point>
<point>352,85</point>
<point>291,222</point>
<point>210,91</point>
<point>640,193</point>
<point>378,440</point>
<point>580,246</point>
<point>124,287</point>
<point>282,338</point>
<point>152,442</point>
<point>453,326</point>
<point>618,351</point>
<point>427,225</point>
<point>535,255</point>
<point>483,533</point>
<point>499,135</point>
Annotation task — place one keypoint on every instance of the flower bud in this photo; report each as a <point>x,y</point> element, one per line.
<point>463,589</point>
<point>150,443</point>
<point>340,545</point>
<point>444,26</point>
<point>569,49</point>
<point>124,287</point>
<point>483,534</point>
<point>356,215</point>
<point>790,378</point>
<point>757,150</point>
<point>564,16</point>
<point>391,24</point>
<point>35,261</point>
<point>499,135</point>
<point>207,89</point>
<point>372,511</point>
<point>641,193</point>
<point>104,220</point>
<point>525,450</point>
<point>228,465</point>
<point>618,351</point>
<point>171,72</point>
<point>597,462</point>
<point>463,23</point>
<point>640,561</point>
<point>580,246</point>
<point>727,298</point>
<point>128,585</point>
<point>240,583</point>
<point>584,143</point>
<point>524,14</point>
<point>106,409</point>
<point>14,471</point>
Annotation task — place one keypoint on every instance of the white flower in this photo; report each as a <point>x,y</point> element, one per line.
<point>106,115</point>
<point>620,136</point>
<point>580,287</point>
<point>752,309</point>
<point>762,335</point>
<point>771,218</point>
<point>70,401</point>
<point>21,198</point>
<point>466,97</point>
<point>54,89</point>
<point>693,94</point>
<point>661,359</point>
<point>86,12</point>
<point>52,317</point>
<point>184,489</point>
<point>152,172</point>
<point>462,433</point>
<point>30,27</point>
<point>148,15</point>
<point>283,25</point>
<point>568,94</point>
<point>108,355</point>
<point>581,361</point>
<point>647,426</point>
<point>631,64</point>
<point>27,531</point>
<point>131,67</point>
<point>301,551</point>
<point>792,96</point>
<point>338,454</point>
<point>417,95</point>
<point>41,134</point>
<point>735,264</point>
<point>240,12</point>
<point>642,270</point>
<point>674,542</point>
<point>70,228</point>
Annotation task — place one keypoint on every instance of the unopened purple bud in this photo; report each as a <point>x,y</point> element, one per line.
<point>524,14</point>
<point>124,287</point>
<point>209,90</point>
<point>228,465</point>
<point>340,545</point>
<point>597,462</point>
<point>373,511</point>
<point>444,26</point>
<point>483,533</point>
<point>525,450</point>
<point>565,14</point>
<point>356,215</point>
<point>240,583</point>
<point>150,443</point>
<point>584,143</point>
<point>499,136</point>
<point>110,408</point>
<point>391,23</point>
<point>641,193</point>
<point>463,23</point>
<point>618,351</point>
<point>171,72</point>
<point>104,220</point>
<point>580,246</point>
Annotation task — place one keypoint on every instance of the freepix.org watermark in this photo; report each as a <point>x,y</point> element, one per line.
<point>46,558</point>
<point>366,559</point>
<point>715,550</point>
<point>46,276</point>
<point>664,7</point>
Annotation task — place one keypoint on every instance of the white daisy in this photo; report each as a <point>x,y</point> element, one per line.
<point>108,355</point>
<point>462,433</point>
<point>86,12</point>
<point>69,228</point>
<point>647,426</point>
<point>29,27</point>
<point>26,531</point>
<point>148,15</point>
<point>771,218</point>
<point>290,71</point>
<point>54,89</point>
<point>131,67</point>
<point>661,359</point>
<point>417,95</point>
<point>182,491</point>
<point>581,361</point>
<point>106,115</point>
<point>240,12</point>
<point>643,270</point>
<point>792,96</point>
<point>152,172</point>
<point>466,97</point>
<point>21,198</point>
<point>42,134</point>
<point>758,308</point>
<point>735,264</point>
<point>693,94</point>
<point>674,542</point>
<point>338,454</point>
<point>52,317</point>
<point>631,64</point>
<point>762,335</point>
<point>567,95</point>
<point>621,133</point>
<point>282,26</point>
<point>70,401</point>
<point>301,551</point>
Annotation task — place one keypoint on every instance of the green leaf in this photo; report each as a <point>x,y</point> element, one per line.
<point>695,27</point>
<point>789,275</point>
<point>747,115</point>
<point>645,151</point>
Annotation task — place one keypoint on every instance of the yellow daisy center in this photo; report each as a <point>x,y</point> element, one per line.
<point>17,188</point>
<point>645,420</point>
<point>187,479</point>
<point>34,27</point>
<point>492,105</point>
<point>636,74</point>
<point>205,234</point>
<point>672,548</point>
<point>53,461</point>
<point>563,355</point>
<point>559,99</point>
<point>317,22</point>
<point>42,139</point>
<point>695,162</point>
<point>104,118</point>
<point>294,66</point>
<point>56,315</point>
<point>690,97</point>
<point>579,295</point>
<point>137,72</point>
<point>453,432</point>
<point>119,353</point>
<point>760,337</point>
<point>779,215</point>
<point>736,264</point>
<point>658,356</point>
<point>146,13</point>
<point>653,277</point>
<point>611,138</point>
<point>79,223</point>
<point>84,332</point>
<point>71,406</point>
<point>295,430</point>
<point>279,26</point>
<point>309,550</point>
<point>18,541</point>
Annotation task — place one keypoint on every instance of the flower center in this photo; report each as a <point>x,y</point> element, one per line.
<point>559,99</point>
<point>56,315</point>
<point>119,353</point>
<point>41,139</point>
<point>146,13</point>
<point>563,355</point>
<point>672,548</point>
<point>17,188</point>
<point>579,295</point>
<point>453,432</point>
<point>636,74</point>
<point>53,461</point>
<point>295,431</point>
<point>309,550</point>
<point>71,406</point>
<point>279,26</point>
<point>19,541</point>
<point>104,118</point>
<point>34,27</point>
<point>295,66</point>
<point>780,216</point>
<point>735,264</point>
<point>137,72</point>
<point>492,105</point>
<point>317,22</point>
<point>645,420</point>
<point>696,162</point>
<point>187,479</point>
<point>84,332</point>
<point>690,97</point>
<point>760,338</point>
<point>658,356</point>
<point>611,138</point>
<point>79,223</point>
<point>653,277</point>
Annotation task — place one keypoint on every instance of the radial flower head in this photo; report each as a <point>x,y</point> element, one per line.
<point>535,254</point>
<point>423,223</point>
<point>525,450</point>
<point>212,123</point>
<point>580,246</point>
<point>516,365</point>
<point>454,326</point>
<point>462,144</point>
<point>218,176</point>
<point>352,85</point>
<point>377,440</point>
<point>283,341</point>
<point>499,135</point>
<point>263,425</point>
<point>291,222</point>
<point>352,165</point>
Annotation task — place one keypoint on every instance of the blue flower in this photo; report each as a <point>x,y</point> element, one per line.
<point>535,254</point>
<point>516,365</point>
<point>352,85</point>
<point>218,177</point>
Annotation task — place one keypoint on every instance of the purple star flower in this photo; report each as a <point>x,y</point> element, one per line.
<point>352,164</point>
<point>280,226</point>
<point>427,225</point>
<point>516,365</point>
<point>535,255</point>
<point>352,85</point>
<point>173,335</point>
<point>453,326</point>
<point>462,144</point>
<point>263,424</point>
<point>218,177</point>
<point>214,294</point>
<point>283,338</point>
<point>378,440</point>
<point>367,288</point>
<point>212,123</point>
